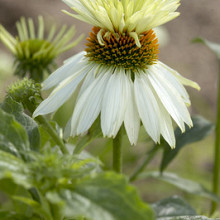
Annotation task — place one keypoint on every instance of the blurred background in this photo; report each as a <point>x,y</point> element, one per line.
<point>199,18</point>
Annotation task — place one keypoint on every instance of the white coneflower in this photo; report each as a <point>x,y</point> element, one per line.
<point>33,51</point>
<point>122,79</point>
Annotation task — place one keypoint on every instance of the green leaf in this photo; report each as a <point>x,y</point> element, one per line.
<point>103,196</point>
<point>211,45</point>
<point>13,137</point>
<point>201,128</point>
<point>183,184</point>
<point>197,217</point>
<point>15,169</point>
<point>46,139</point>
<point>52,169</point>
<point>10,215</point>
<point>16,109</point>
<point>173,206</point>
<point>37,207</point>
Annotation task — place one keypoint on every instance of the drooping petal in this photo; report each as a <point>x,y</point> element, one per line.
<point>147,106</point>
<point>171,100</point>
<point>114,103</point>
<point>90,78</point>
<point>88,105</point>
<point>132,119</point>
<point>181,79</point>
<point>172,81</point>
<point>60,94</point>
<point>166,127</point>
<point>72,66</point>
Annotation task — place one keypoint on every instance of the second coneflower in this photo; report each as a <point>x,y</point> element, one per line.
<point>122,79</point>
<point>34,51</point>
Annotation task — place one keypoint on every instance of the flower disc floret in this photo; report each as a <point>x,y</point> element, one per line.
<point>121,50</point>
<point>34,56</point>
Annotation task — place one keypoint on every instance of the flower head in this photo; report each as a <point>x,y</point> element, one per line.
<point>34,53</point>
<point>122,79</point>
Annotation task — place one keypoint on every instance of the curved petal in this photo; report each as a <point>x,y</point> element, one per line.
<point>114,103</point>
<point>171,99</point>
<point>71,67</point>
<point>181,79</point>
<point>88,105</point>
<point>89,79</point>
<point>166,127</point>
<point>132,119</point>
<point>60,94</point>
<point>147,106</point>
<point>172,81</point>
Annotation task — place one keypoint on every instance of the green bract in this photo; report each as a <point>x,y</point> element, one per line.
<point>26,92</point>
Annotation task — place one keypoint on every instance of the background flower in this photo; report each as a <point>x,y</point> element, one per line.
<point>33,51</point>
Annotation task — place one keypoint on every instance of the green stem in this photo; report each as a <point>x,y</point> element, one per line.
<point>117,152</point>
<point>215,180</point>
<point>150,155</point>
<point>56,212</point>
<point>53,134</point>
<point>51,131</point>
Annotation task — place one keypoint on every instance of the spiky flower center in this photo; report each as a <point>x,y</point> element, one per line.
<point>34,49</point>
<point>121,49</point>
<point>34,57</point>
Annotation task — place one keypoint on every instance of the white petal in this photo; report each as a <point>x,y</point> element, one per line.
<point>171,100</point>
<point>181,79</point>
<point>166,126</point>
<point>132,119</point>
<point>88,106</point>
<point>114,103</point>
<point>172,81</point>
<point>75,57</point>
<point>90,78</point>
<point>72,66</point>
<point>60,94</point>
<point>147,106</point>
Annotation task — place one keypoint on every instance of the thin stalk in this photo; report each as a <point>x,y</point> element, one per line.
<point>56,212</point>
<point>117,152</point>
<point>150,155</point>
<point>216,171</point>
<point>51,131</point>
